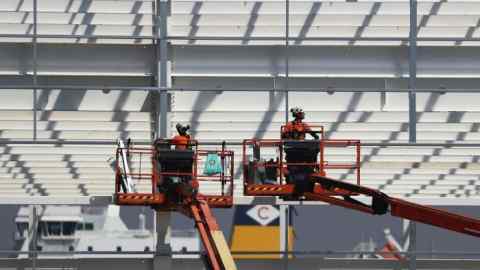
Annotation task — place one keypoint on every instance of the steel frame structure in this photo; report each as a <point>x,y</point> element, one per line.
<point>161,39</point>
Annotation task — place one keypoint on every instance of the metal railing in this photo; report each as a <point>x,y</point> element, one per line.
<point>295,253</point>
<point>228,142</point>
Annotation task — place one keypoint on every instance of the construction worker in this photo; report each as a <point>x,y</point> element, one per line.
<point>298,150</point>
<point>180,160</point>
<point>182,139</point>
<point>187,186</point>
<point>297,129</point>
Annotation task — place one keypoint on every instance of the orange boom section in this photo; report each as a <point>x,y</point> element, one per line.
<point>218,253</point>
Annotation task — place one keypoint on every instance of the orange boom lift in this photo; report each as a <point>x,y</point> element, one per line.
<point>172,177</point>
<point>297,170</point>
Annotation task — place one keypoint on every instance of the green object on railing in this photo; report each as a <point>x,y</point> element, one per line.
<point>212,164</point>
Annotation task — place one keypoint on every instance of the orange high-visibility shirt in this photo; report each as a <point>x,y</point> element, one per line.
<point>295,127</point>
<point>180,142</point>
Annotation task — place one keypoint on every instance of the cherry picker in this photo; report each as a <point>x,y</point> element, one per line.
<point>173,180</point>
<point>297,170</point>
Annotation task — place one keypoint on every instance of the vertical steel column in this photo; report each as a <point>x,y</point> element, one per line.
<point>413,245</point>
<point>412,85</point>
<point>287,56</point>
<point>412,78</point>
<point>162,228</point>
<point>410,242</point>
<point>284,226</point>
<point>163,67</point>
<point>32,234</point>
<point>162,219</point>
<point>34,69</point>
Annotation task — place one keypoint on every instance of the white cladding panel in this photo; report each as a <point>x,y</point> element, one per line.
<point>245,101</point>
<point>434,102</point>
<point>134,18</point>
<point>74,100</point>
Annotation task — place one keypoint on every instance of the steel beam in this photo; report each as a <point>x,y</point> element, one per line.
<point>230,38</point>
<point>32,234</point>
<point>412,263</point>
<point>279,38</point>
<point>412,78</point>
<point>60,64</point>
<point>412,106</point>
<point>410,242</point>
<point>287,57</point>
<point>34,68</point>
<point>285,210</point>
<point>163,67</point>
<point>188,89</point>
<point>121,262</point>
<point>162,219</point>
<point>162,238</point>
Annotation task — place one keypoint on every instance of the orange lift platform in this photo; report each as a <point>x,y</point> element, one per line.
<point>297,170</point>
<point>167,179</point>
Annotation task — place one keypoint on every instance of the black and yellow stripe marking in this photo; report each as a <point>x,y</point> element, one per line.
<point>219,201</point>
<point>139,199</point>
<point>266,189</point>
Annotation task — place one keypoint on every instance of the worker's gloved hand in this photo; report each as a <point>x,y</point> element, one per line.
<point>315,136</point>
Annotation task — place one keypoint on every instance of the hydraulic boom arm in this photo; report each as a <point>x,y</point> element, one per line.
<point>218,253</point>
<point>381,203</point>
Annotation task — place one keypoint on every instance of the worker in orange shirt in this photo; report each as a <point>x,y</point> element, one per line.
<point>188,186</point>
<point>177,186</point>
<point>299,152</point>
<point>182,139</point>
<point>297,129</point>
